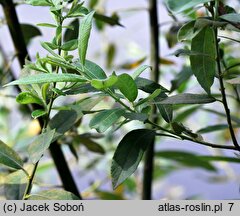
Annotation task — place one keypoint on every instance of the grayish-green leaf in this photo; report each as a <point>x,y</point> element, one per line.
<point>39,2</point>
<point>181,5</point>
<point>127,86</point>
<point>187,159</point>
<point>47,78</point>
<point>187,98</point>
<point>129,154</point>
<point>213,128</point>
<point>165,110</point>
<point>204,67</point>
<point>14,185</point>
<point>54,194</point>
<point>39,145</point>
<point>9,157</point>
<point>105,119</point>
<point>136,116</point>
<point>139,71</point>
<point>84,34</point>
<point>231,17</point>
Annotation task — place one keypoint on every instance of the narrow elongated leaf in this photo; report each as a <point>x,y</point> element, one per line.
<point>84,34</point>
<point>47,78</point>
<point>213,128</point>
<point>54,194</point>
<point>220,158</point>
<point>181,5</point>
<point>139,71</point>
<point>129,154</point>
<point>9,157</point>
<point>113,20</point>
<point>39,2</point>
<point>90,144</point>
<point>204,67</point>
<point>136,116</point>
<point>186,158</point>
<point>105,119</point>
<point>165,110</point>
<point>28,98</point>
<point>40,144</point>
<point>127,86</point>
<point>148,86</point>
<point>231,17</point>
<point>187,98</point>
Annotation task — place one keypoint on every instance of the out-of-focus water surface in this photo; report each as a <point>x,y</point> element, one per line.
<point>132,43</point>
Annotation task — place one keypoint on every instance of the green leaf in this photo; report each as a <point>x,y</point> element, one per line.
<point>9,157</point>
<point>39,145</point>
<point>181,78</point>
<point>47,78</point>
<point>104,84</point>
<point>127,86</point>
<point>165,110</point>
<point>113,20</point>
<point>136,116</point>
<point>94,70</point>
<point>149,98</point>
<point>77,11</point>
<point>84,34</point>
<point>187,159</point>
<point>187,98</point>
<point>15,185</point>
<point>48,46</point>
<point>28,98</point>
<point>38,113</point>
<point>231,17</point>
<point>39,2</point>
<point>181,5</point>
<point>90,144</point>
<point>65,119</point>
<point>187,31</point>
<point>129,154</point>
<point>84,88</point>
<point>148,86</point>
<point>213,128</point>
<point>70,45</point>
<point>110,55</point>
<point>139,71</point>
<point>62,122</point>
<point>105,119</point>
<point>54,194</point>
<point>49,25</point>
<point>220,158</point>
<point>29,32</point>
<point>203,67</point>
<point>72,34</point>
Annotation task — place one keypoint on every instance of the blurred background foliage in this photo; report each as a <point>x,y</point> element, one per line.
<point>120,42</point>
